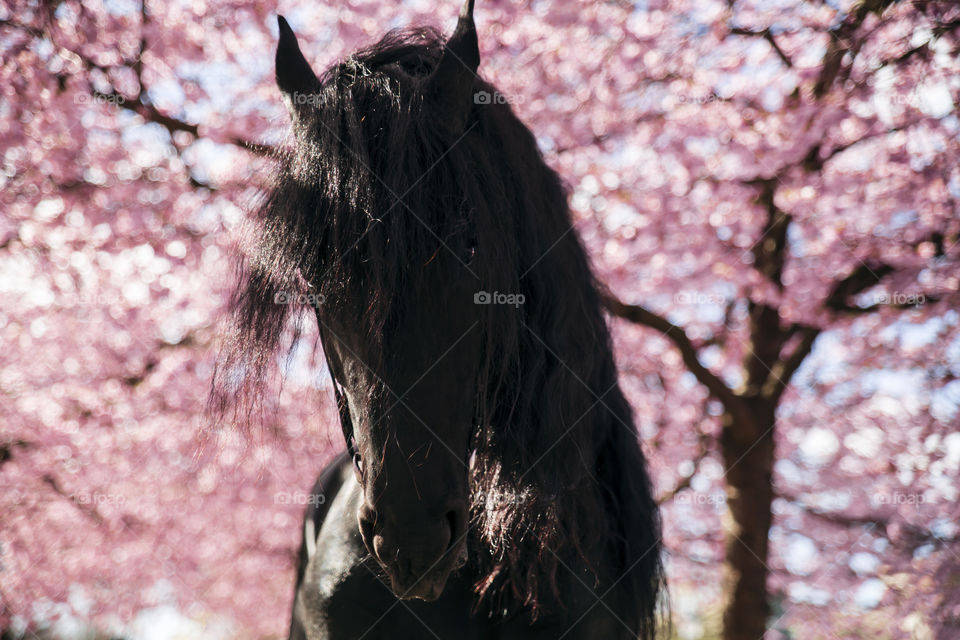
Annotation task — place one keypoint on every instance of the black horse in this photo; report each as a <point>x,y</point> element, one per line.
<point>493,466</point>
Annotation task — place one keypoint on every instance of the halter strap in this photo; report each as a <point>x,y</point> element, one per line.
<point>343,411</point>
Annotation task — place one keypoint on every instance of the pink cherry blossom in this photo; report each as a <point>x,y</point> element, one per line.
<point>745,175</point>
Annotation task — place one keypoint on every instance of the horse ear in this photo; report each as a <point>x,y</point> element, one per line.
<point>450,86</point>
<point>294,75</point>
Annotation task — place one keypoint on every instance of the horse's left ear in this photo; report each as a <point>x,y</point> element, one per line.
<point>295,78</point>
<point>450,86</point>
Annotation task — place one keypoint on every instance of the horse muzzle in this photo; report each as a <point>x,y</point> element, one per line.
<point>418,557</point>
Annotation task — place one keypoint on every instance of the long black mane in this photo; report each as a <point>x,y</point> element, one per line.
<point>558,479</point>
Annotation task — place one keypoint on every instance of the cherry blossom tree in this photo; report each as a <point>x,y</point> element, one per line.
<point>768,191</point>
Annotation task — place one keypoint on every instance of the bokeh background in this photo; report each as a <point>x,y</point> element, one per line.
<point>768,188</point>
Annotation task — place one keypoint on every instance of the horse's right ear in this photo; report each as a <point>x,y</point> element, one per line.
<point>450,85</point>
<point>295,78</point>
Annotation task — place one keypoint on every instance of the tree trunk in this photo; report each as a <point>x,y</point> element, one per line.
<point>748,454</point>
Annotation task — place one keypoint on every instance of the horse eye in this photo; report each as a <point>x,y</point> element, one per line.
<point>358,466</point>
<point>357,458</point>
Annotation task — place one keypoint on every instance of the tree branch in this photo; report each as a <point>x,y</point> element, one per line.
<point>770,251</point>
<point>858,281</point>
<point>812,162</point>
<point>702,452</point>
<point>141,104</point>
<point>841,43</point>
<point>151,114</point>
<point>783,370</point>
<point>7,448</point>
<point>767,35</point>
<point>840,519</point>
<point>688,352</point>
<point>88,510</point>
<point>900,306</point>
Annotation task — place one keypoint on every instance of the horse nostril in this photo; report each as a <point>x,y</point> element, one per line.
<point>457,522</point>
<point>366,520</point>
<point>379,551</point>
<point>454,524</point>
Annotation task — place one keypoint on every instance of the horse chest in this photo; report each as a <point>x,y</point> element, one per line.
<point>344,596</point>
